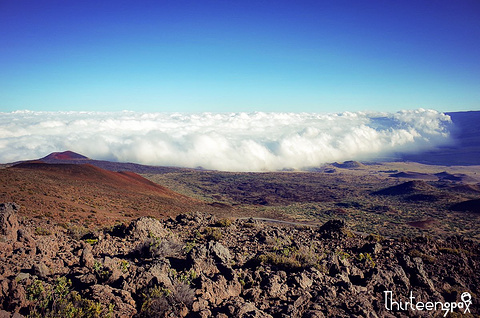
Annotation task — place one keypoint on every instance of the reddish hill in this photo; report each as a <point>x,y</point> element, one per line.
<point>90,173</point>
<point>65,155</point>
<point>87,194</point>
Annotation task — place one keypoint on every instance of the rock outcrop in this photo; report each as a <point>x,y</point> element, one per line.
<point>8,222</point>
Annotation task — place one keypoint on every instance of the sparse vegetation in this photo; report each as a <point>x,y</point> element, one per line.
<point>77,232</point>
<point>375,238</point>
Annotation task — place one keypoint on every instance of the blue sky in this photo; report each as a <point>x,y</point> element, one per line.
<point>223,56</point>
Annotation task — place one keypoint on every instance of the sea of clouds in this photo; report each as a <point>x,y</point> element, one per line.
<point>224,141</point>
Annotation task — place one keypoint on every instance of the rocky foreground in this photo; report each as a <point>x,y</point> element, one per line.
<point>198,265</point>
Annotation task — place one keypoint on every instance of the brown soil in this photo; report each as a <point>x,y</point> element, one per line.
<point>422,224</point>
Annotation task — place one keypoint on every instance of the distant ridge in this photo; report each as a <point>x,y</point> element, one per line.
<point>467,206</point>
<point>415,190</point>
<point>459,177</point>
<point>409,187</point>
<point>348,164</point>
<point>414,175</point>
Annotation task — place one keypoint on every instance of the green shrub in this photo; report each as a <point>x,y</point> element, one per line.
<point>91,241</point>
<point>343,254</point>
<point>124,265</point>
<point>59,301</point>
<point>189,246</point>
<point>366,258</point>
<point>100,271</point>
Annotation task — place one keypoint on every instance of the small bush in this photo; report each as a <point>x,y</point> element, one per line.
<point>189,246</point>
<point>77,232</point>
<point>223,223</point>
<point>184,277</point>
<point>249,224</point>
<point>279,260</point>
<point>165,248</point>
<point>343,254</point>
<point>42,231</point>
<point>91,241</point>
<point>155,303</point>
<point>102,273</point>
<point>291,258</point>
<point>375,238</point>
<point>124,265</point>
<point>425,258</point>
<point>367,259</point>
<point>183,294</point>
<point>212,234</point>
<point>455,251</point>
<point>159,247</point>
<point>163,302</point>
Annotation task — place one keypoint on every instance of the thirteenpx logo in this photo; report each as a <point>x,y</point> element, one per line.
<point>410,304</point>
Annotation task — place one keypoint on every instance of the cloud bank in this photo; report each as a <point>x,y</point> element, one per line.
<point>224,141</point>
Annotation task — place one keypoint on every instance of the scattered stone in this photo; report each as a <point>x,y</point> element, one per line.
<point>146,227</point>
<point>41,270</point>
<point>87,258</point>
<point>333,229</point>
<point>372,248</point>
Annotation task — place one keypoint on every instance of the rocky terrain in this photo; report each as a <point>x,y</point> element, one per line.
<point>199,265</point>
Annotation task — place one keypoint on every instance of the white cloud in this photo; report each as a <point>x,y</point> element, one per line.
<point>225,141</point>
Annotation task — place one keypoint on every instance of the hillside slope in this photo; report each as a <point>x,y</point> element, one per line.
<point>87,194</point>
